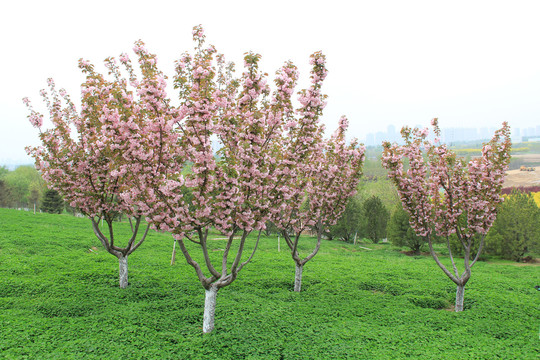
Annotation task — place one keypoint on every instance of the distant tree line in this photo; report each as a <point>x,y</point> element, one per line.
<point>375,214</point>
<point>23,188</point>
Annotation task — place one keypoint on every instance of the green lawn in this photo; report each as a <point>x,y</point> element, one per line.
<point>58,300</point>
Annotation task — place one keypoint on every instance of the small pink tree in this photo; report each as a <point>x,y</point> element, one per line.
<point>94,166</point>
<point>447,196</point>
<point>323,186</point>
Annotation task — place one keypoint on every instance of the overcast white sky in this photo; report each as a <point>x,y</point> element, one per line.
<point>470,63</point>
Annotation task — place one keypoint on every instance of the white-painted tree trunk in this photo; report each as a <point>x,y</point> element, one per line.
<point>209,309</point>
<point>123,271</point>
<point>460,293</point>
<point>298,277</point>
<point>173,257</point>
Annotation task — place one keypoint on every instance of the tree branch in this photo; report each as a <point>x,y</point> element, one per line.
<point>203,279</point>
<point>133,232</point>
<point>101,237</point>
<point>203,239</point>
<point>451,257</point>
<point>317,247</point>
<point>130,223</point>
<point>226,254</point>
<point>252,253</point>
<point>448,273</point>
<point>479,250</point>
<point>239,253</point>
<point>191,239</point>
<point>140,241</point>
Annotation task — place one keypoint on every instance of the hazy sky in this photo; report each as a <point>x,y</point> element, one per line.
<point>470,63</point>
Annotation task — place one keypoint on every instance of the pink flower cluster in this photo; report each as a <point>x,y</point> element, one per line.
<point>442,193</point>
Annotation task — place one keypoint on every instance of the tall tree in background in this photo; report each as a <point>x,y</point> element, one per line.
<point>376,219</point>
<point>25,186</point>
<point>446,195</point>
<point>5,195</point>
<point>52,202</point>
<point>517,227</point>
<point>400,232</point>
<point>350,224</point>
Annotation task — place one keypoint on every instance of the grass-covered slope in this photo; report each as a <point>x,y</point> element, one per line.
<point>58,300</point>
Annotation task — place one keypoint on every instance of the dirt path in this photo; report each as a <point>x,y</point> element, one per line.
<point>516,178</point>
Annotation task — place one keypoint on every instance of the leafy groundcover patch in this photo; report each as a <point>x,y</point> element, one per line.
<point>59,300</point>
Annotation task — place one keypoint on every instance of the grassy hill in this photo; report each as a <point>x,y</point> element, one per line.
<point>58,300</point>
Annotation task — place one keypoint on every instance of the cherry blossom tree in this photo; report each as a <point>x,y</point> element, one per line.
<point>324,185</point>
<point>263,143</point>
<point>446,195</point>
<point>90,156</point>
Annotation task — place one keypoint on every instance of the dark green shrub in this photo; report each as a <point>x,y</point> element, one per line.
<point>350,223</point>
<point>52,202</point>
<point>376,219</point>
<point>430,302</point>
<point>516,230</point>
<point>400,232</point>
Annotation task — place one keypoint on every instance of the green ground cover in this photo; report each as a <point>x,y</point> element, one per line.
<point>58,300</point>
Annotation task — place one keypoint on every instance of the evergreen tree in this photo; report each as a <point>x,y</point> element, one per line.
<point>400,232</point>
<point>516,229</point>
<point>6,200</point>
<point>350,222</point>
<point>376,217</point>
<point>52,202</point>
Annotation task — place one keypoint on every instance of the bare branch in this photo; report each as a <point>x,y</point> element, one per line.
<point>226,254</point>
<point>140,241</point>
<point>203,239</point>
<point>239,253</point>
<point>203,279</point>
<point>192,240</point>
<point>294,249</point>
<point>134,233</point>
<point>103,238</point>
<point>480,247</point>
<point>448,273</point>
<point>287,239</point>
<point>252,253</point>
<point>451,257</point>
<point>317,247</point>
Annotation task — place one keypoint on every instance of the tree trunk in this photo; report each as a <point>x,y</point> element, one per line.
<point>460,293</point>
<point>298,278</point>
<point>209,309</point>
<point>173,257</point>
<point>123,271</point>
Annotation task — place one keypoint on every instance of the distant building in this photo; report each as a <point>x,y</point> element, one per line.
<point>455,135</point>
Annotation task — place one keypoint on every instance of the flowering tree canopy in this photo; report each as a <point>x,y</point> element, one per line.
<point>323,187</point>
<point>90,156</point>
<point>446,195</point>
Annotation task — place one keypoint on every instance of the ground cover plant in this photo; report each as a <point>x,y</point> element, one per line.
<point>59,299</point>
